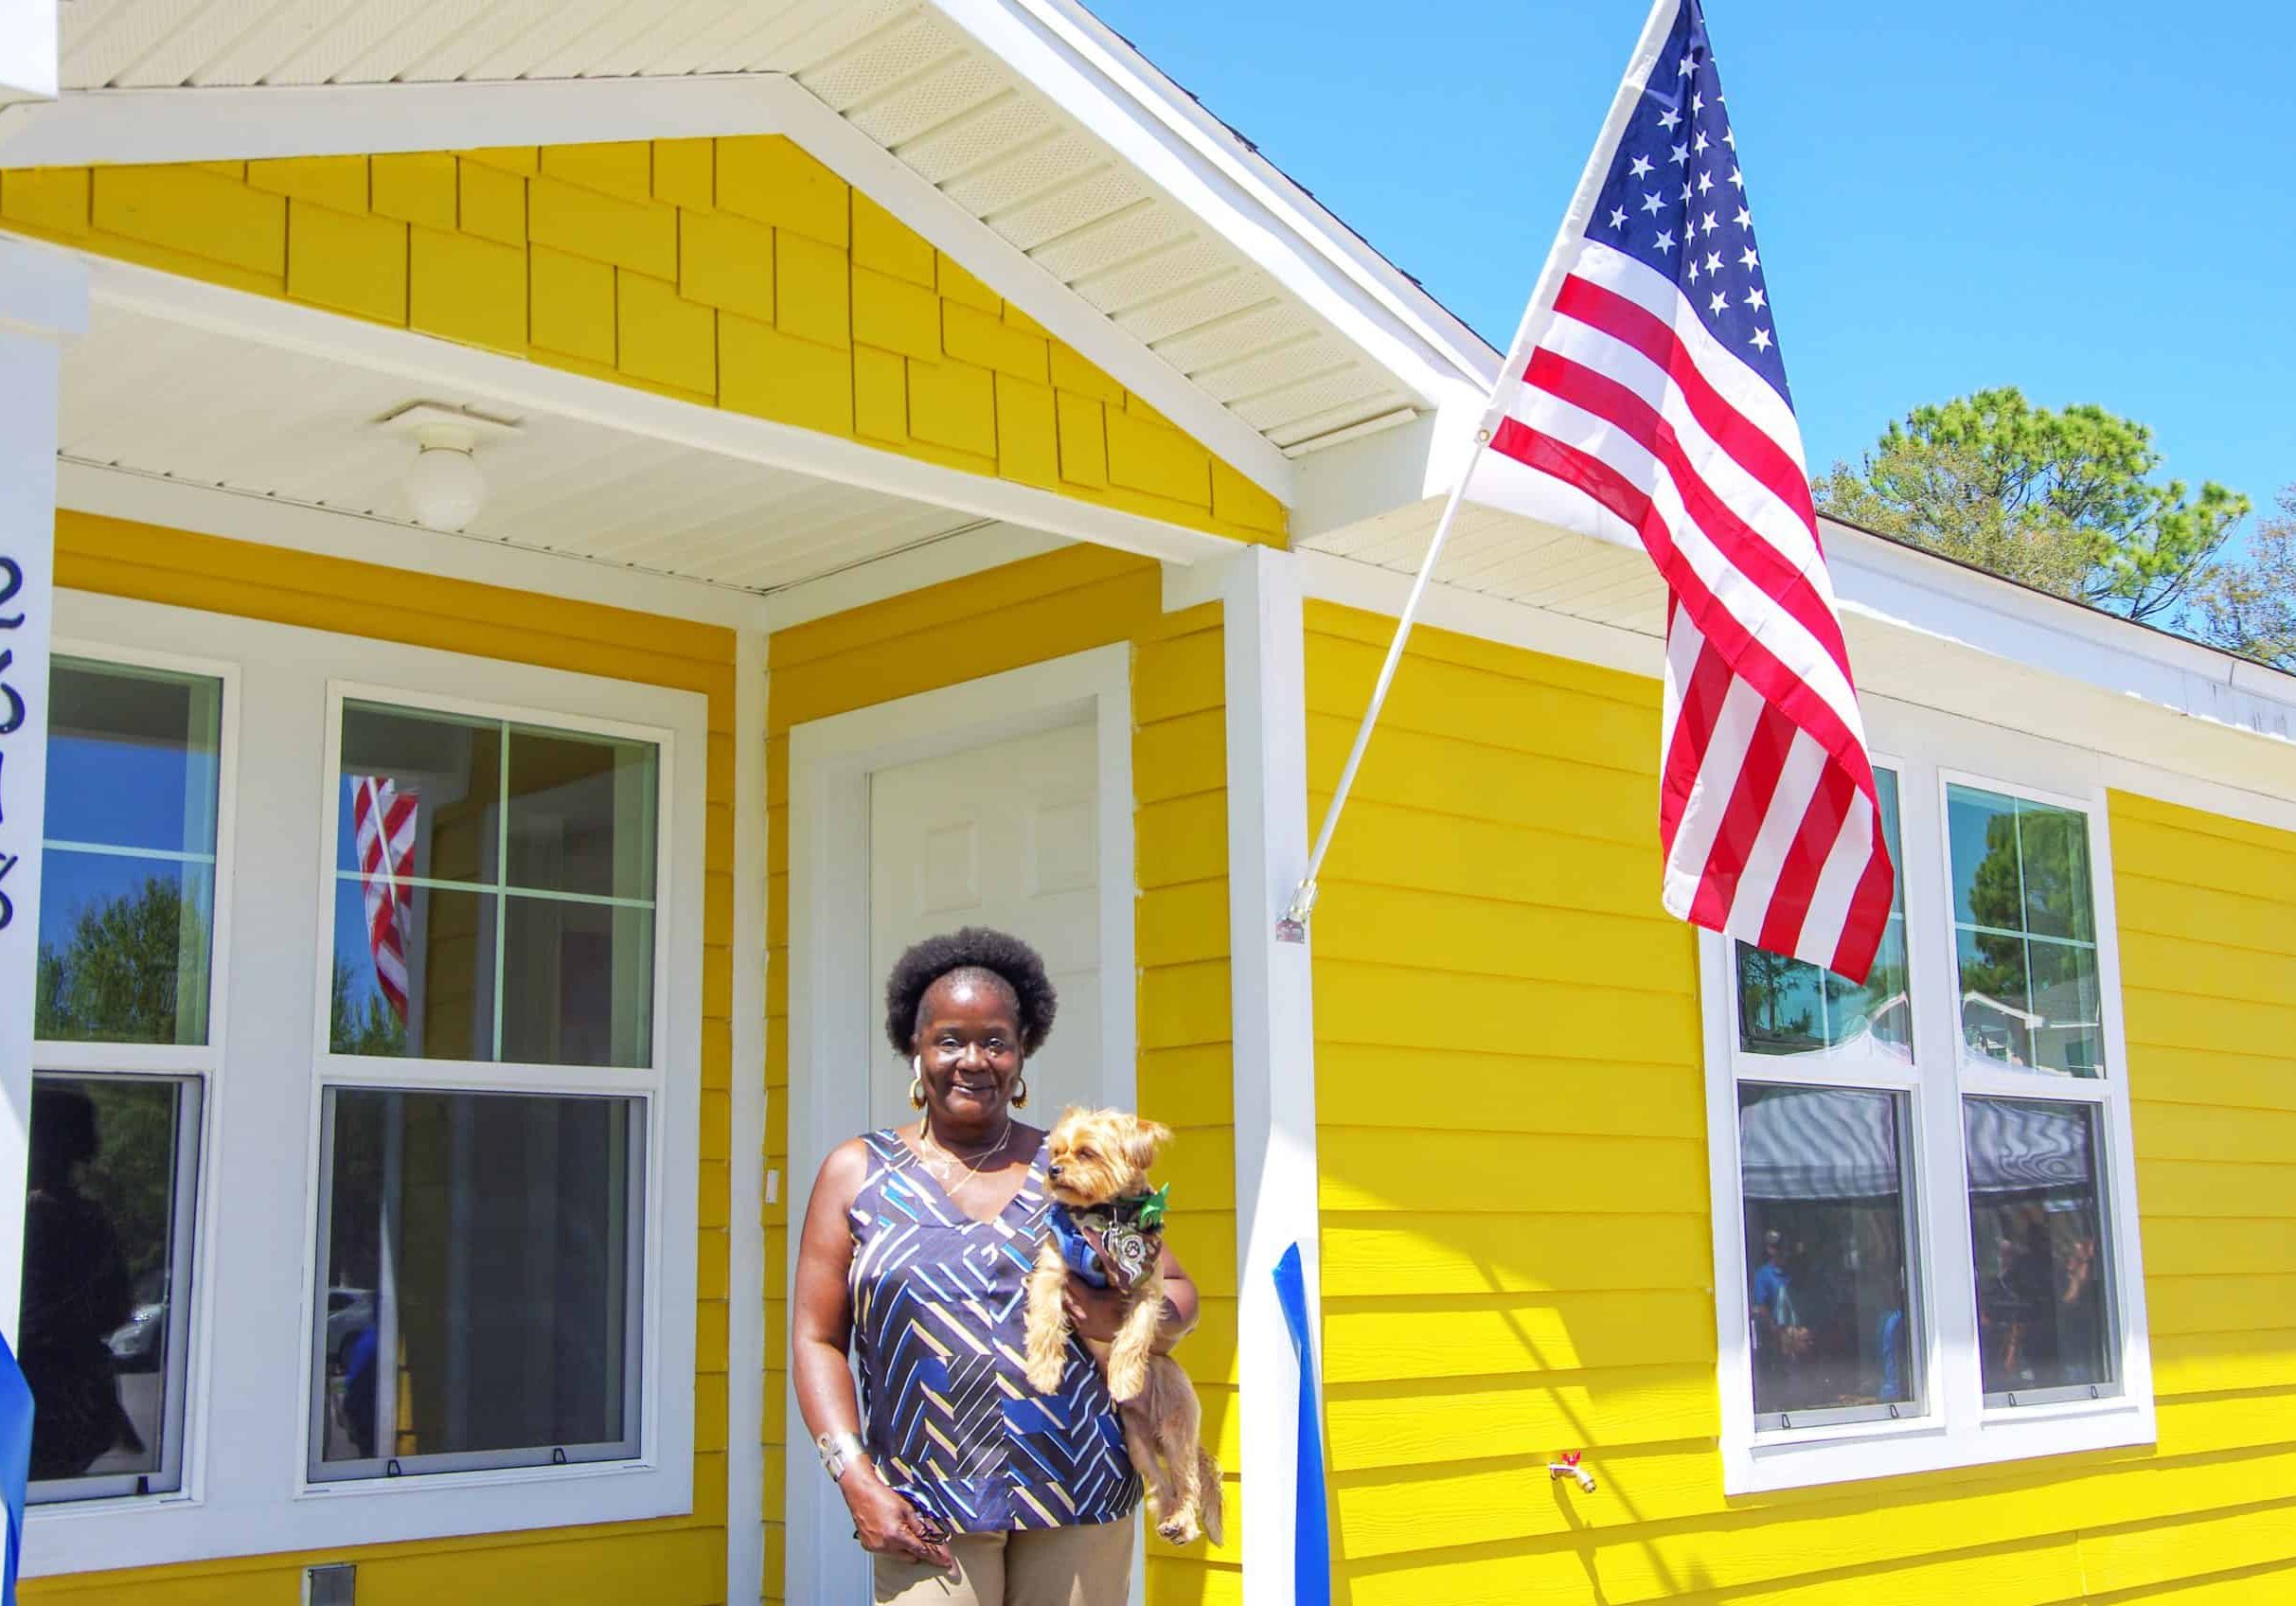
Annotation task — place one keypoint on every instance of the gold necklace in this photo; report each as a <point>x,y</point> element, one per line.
<point>924,1131</point>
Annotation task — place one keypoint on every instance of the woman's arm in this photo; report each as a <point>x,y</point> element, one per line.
<point>1097,1312</point>
<point>821,1336</point>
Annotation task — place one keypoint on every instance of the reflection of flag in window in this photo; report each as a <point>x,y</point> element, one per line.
<point>382,819</point>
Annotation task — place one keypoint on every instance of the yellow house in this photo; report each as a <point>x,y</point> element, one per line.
<point>579,531</point>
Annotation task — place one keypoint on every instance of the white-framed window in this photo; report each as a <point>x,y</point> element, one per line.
<point>434,1143</point>
<point>1926,1236</point>
<point>126,1034</point>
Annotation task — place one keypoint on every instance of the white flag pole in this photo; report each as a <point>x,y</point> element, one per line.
<point>1292,927</point>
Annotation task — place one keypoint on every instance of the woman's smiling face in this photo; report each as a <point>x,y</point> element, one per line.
<point>969,1048</point>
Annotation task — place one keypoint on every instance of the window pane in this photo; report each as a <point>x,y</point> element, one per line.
<point>578,984</point>
<point>1822,1173</point>
<point>420,980</point>
<point>481,1282</point>
<point>581,814</point>
<point>106,1277</point>
<point>123,948</point>
<point>1788,1006</point>
<point>2026,934</point>
<point>434,779</point>
<point>132,757</point>
<point>2037,1233</point>
<point>127,900</point>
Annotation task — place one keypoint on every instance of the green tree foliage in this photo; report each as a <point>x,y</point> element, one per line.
<point>2249,606</point>
<point>115,978</point>
<point>353,1028</point>
<point>2064,501</point>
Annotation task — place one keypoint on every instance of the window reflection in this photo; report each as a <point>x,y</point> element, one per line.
<point>1788,1006</point>
<point>2036,1236</point>
<point>2024,934</point>
<point>481,1280</point>
<point>493,892</point>
<point>106,1248</point>
<point>128,877</point>
<point>1822,1173</point>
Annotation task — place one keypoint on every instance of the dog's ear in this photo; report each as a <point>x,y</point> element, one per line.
<point>1147,1141</point>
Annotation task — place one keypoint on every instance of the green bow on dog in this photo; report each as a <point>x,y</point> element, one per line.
<point>1150,1211</point>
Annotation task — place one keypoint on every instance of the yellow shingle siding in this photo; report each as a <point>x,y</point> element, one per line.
<point>1026,612</point>
<point>1516,1233</point>
<point>737,273</point>
<point>678,1561</point>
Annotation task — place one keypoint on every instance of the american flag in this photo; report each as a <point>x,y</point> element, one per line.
<point>382,822</point>
<point>1654,407</point>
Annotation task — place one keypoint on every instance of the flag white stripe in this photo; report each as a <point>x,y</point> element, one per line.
<point>1781,827</point>
<point>1837,885</point>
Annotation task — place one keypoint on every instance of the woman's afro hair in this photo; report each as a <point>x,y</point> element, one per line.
<point>1020,967</point>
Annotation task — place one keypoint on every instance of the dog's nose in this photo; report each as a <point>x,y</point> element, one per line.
<point>1052,1171</point>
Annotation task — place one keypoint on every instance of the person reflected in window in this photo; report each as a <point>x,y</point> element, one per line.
<point>1780,1339</point>
<point>77,1294</point>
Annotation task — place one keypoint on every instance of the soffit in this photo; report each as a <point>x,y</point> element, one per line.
<point>901,72</point>
<point>150,397</point>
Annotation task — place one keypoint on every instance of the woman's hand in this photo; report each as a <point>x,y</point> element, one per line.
<point>888,1524</point>
<point>1095,1312</point>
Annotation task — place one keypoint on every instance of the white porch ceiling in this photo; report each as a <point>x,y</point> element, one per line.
<point>166,400</point>
<point>898,71</point>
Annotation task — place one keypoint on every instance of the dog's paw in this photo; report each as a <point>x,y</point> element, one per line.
<point>1179,1529</point>
<point>1044,1377</point>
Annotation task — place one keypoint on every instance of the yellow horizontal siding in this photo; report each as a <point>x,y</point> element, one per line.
<point>680,1562</point>
<point>1517,1250</point>
<point>735,273</point>
<point>1026,612</point>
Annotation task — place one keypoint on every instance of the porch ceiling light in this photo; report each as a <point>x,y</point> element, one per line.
<point>443,485</point>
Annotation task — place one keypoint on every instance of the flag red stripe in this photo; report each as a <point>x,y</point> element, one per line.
<point>1753,663</point>
<point>1869,913</point>
<point>1750,793</point>
<point>1741,547</point>
<point>1701,707</point>
<point>1747,444</point>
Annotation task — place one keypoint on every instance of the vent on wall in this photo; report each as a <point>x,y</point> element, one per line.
<point>334,1584</point>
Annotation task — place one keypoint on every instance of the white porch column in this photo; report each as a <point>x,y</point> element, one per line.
<point>1274,1041</point>
<point>43,297</point>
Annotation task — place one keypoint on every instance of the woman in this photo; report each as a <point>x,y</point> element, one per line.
<point>969,1488</point>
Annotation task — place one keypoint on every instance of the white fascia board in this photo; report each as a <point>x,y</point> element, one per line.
<point>1016,275</point>
<point>214,124</point>
<point>220,124</point>
<point>1107,89</point>
<point>1918,591</point>
<point>465,374</point>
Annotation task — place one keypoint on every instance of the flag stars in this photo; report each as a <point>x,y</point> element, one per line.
<point>1746,258</point>
<point>1700,143</point>
<point>1761,340</point>
<point>1619,217</point>
<point>1668,119</point>
<point>1706,224</point>
<point>1730,136</point>
<point>1665,239</point>
<point>1698,102</point>
<point>1756,299</point>
<point>1714,262</point>
<point>1652,205</point>
<point>1691,271</point>
<point>1738,178</point>
<point>1641,167</point>
<point>1716,302</point>
<point>1679,155</point>
<point>1744,219</point>
<point>1705,182</point>
<point>1688,65</point>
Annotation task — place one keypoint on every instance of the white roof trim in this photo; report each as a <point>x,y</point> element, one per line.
<point>465,374</point>
<point>1117,95</point>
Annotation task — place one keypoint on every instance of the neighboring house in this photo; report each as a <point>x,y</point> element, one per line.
<point>933,471</point>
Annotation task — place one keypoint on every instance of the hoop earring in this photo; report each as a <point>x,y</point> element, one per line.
<point>917,1093</point>
<point>1020,1093</point>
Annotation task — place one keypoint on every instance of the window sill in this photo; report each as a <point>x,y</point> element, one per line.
<point>153,1530</point>
<point>1806,1458</point>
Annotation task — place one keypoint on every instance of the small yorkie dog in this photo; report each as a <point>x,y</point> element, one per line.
<point>1108,1227</point>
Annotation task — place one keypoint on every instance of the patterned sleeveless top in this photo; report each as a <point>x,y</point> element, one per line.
<point>939,1335</point>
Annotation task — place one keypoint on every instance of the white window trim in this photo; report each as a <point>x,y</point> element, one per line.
<point>201,1062</point>
<point>1958,1430</point>
<point>833,993</point>
<point>256,1261</point>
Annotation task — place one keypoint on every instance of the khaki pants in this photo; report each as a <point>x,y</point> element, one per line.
<point>1087,1566</point>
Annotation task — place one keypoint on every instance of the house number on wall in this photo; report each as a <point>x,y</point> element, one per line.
<point>11,721</point>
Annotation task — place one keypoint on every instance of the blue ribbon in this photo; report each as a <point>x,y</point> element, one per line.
<point>15,1460</point>
<point>1311,1524</point>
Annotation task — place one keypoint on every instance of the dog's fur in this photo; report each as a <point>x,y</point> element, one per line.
<point>1094,1157</point>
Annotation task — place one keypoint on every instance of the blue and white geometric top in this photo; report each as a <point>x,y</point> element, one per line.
<point>939,1336</point>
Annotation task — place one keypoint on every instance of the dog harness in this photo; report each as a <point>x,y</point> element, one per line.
<point>1112,1244</point>
<point>940,1330</point>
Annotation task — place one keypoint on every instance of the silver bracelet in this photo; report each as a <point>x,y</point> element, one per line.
<point>838,1452</point>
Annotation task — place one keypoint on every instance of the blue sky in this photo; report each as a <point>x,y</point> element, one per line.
<point>2095,201</point>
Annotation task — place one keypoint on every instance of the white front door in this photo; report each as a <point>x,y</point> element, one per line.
<point>1005,835</point>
